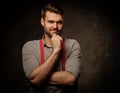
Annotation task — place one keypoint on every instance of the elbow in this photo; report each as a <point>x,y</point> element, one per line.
<point>35,82</point>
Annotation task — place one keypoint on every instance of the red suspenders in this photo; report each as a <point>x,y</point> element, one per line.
<point>63,56</point>
<point>41,51</point>
<point>42,54</point>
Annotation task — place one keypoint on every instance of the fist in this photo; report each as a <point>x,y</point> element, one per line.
<point>56,41</point>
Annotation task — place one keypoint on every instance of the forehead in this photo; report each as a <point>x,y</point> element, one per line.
<point>53,16</point>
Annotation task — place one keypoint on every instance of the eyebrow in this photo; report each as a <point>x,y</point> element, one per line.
<point>60,21</point>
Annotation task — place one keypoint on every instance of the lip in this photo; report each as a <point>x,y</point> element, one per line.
<point>55,31</point>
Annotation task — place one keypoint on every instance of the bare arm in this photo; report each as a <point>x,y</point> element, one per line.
<point>62,78</point>
<point>43,71</point>
<point>72,72</point>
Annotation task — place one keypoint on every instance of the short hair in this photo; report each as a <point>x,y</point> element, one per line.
<point>52,8</point>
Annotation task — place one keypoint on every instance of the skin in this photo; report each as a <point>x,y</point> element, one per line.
<point>52,24</point>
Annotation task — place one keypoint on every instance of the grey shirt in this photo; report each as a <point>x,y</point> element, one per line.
<point>31,58</point>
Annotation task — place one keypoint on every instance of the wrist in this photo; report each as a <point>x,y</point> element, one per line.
<point>56,51</point>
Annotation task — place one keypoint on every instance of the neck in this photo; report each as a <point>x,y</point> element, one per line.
<point>48,40</point>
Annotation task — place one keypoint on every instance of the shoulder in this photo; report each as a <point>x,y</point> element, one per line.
<point>71,42</point>
<point>72,46</point>
<point>31,44</point>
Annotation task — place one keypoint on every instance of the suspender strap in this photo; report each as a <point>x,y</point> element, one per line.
<point>63,56</point>
<point>42,53</point>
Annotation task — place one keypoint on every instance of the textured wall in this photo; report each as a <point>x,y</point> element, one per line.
<point>93,24</point>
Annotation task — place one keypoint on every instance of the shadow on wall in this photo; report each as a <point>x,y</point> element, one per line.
<point>88,23</point>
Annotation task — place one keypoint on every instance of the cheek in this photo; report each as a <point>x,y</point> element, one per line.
<point>46,26</point>
<point>60,26</point>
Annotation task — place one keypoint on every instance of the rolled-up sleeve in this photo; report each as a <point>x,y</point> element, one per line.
<point>73,61</point>
<point>28,58</point>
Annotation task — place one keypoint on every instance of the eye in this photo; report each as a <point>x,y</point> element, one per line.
<point>59,22</point>
<point>50,21</point>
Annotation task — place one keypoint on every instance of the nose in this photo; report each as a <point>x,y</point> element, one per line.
<point>55,25</point>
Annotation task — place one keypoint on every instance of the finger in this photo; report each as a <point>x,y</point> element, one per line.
<point>61,39</point>
<point>54,34</point>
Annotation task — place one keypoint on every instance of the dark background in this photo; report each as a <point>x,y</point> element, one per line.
<point>94,23</point>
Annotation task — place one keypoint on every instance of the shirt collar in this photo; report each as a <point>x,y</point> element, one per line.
<point>45,45</point>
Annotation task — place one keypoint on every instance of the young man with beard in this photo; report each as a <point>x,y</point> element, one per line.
<point>52,64</point>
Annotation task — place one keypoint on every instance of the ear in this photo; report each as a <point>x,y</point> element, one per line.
<point>42,21</point>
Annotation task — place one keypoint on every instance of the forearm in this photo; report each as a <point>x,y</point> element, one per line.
<point>42,72</point>
<point>62,78</point>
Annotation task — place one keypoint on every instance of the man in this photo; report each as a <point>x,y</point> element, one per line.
<point>52,64</point>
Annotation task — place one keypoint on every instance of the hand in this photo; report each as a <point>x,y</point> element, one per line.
<point>56,41</point>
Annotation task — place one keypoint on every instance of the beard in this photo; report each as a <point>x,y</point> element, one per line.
<point>49,34</point>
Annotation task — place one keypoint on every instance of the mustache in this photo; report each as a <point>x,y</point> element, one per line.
<point>54,29</point>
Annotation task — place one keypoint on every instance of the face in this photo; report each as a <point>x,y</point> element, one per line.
<point>52,24</point>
